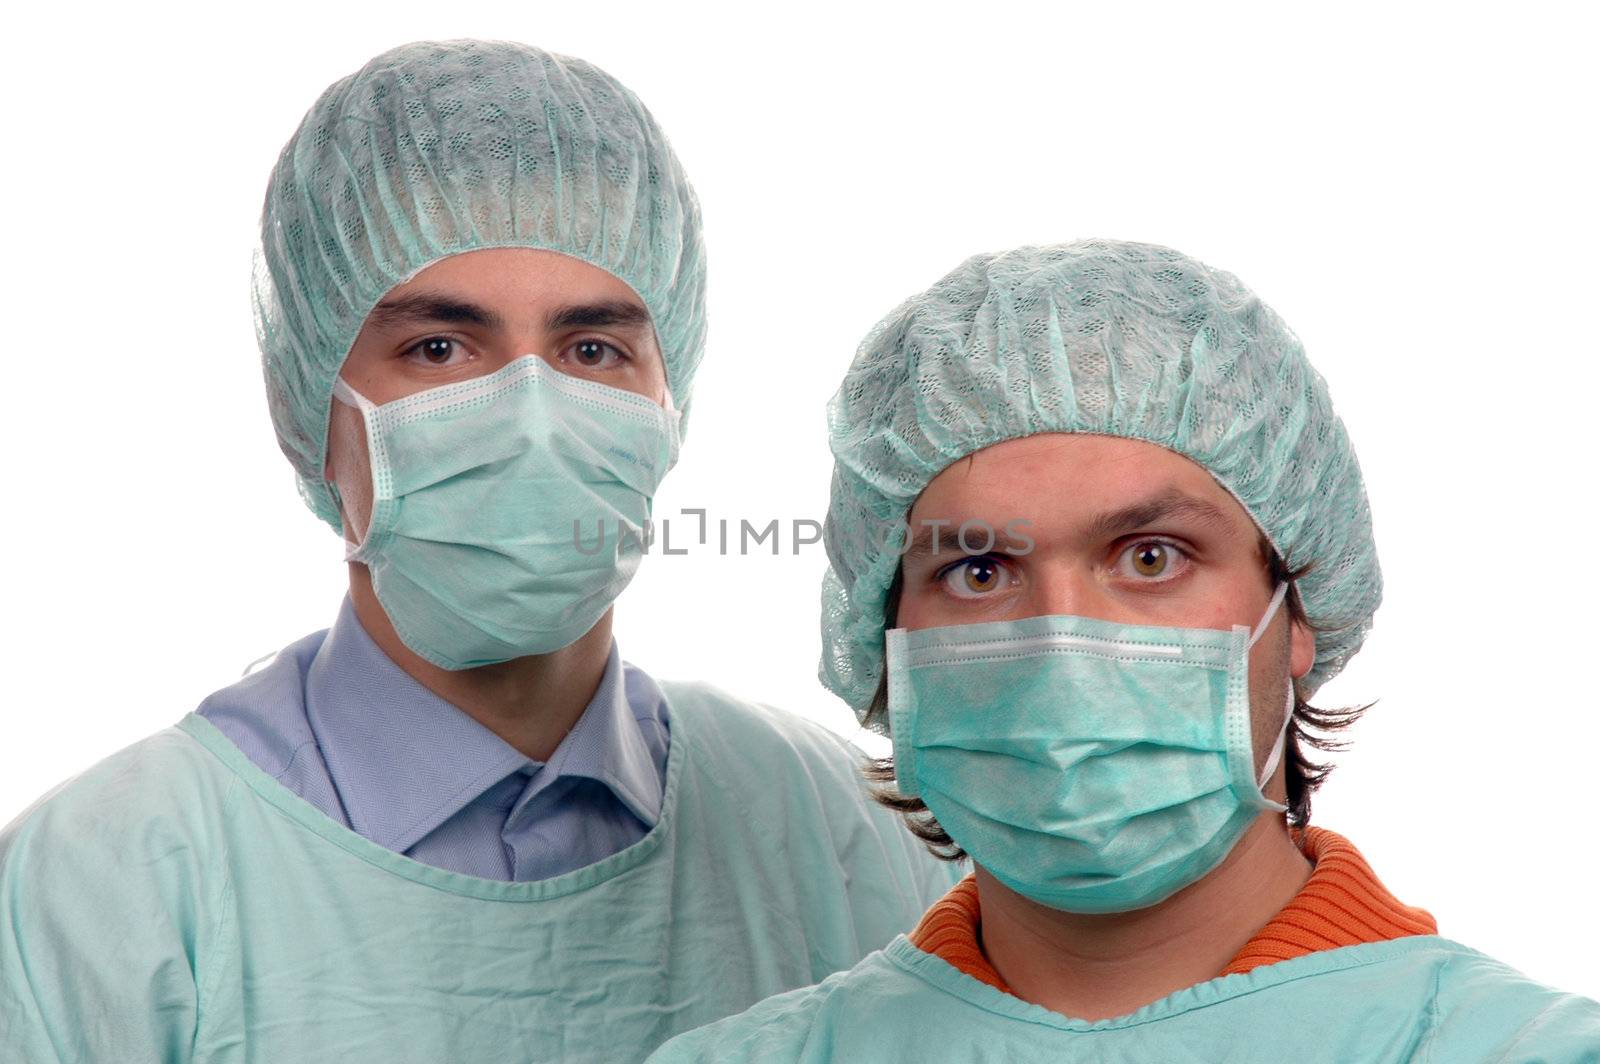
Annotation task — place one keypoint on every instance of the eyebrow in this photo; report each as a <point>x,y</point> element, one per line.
<point>426,307</point>
<point>423,307</point>
<point>934,540</point>
<point>606,313</point>
<point>1170,503</point>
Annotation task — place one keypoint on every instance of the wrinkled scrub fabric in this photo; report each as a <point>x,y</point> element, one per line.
<point>175,903</point>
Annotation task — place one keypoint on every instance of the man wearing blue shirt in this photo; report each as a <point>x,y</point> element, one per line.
<point>456,825</point>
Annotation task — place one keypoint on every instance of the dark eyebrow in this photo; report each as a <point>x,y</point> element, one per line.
<point>423,307</point>
<point>598,315</point>
<point>933,540</point>
<point>1170,503</point>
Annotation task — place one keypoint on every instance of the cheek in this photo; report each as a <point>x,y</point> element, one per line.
<point>348,465</point>
<point>1269,680</point>
<point>924,603</point>
<point>647,375</point>
<point>654,384</point>
<point>347,440</point>
<point>915,610</point>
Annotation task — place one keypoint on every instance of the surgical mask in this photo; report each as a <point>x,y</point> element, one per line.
<point>1093,767</point>
<point>509,511</point>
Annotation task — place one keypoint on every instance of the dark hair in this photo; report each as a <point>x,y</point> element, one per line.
<point>1309,727</point>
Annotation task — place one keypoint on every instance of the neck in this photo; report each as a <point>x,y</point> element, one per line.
<point>529,702</point>
<point>1094,967</point>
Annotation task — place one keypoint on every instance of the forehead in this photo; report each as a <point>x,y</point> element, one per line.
<point>1062,480</point>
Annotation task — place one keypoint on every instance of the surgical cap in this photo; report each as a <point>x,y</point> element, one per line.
<point>1102,337</point>
<point>440,147</point>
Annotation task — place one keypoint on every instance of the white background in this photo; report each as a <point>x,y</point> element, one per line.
<point>1413,190</point>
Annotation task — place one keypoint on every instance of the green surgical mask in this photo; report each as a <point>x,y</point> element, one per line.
<point>1093,767</point>
<point>509,511</point>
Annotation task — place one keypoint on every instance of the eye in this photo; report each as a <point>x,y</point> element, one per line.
<point>1152,561</point>
<point>592,353</point>
<point>436,351</point>
<point>976,577</point>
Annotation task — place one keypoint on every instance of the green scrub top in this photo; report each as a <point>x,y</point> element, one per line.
<point>175,903</point>
<point>1423,999</point>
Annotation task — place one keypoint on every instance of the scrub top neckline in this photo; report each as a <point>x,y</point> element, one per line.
<point>942,975</point>
<point>319,823</point>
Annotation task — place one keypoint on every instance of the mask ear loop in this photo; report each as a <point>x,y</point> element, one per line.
<point>1273,758</point>
<point>1272,610</point>
<point>352,398</point>
<point>1283,735</point>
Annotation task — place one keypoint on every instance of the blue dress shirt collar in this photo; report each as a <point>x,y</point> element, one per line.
<point>405,761</point>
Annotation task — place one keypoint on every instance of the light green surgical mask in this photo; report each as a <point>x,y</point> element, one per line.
<point>1093,767</point>
<point>508,511</point>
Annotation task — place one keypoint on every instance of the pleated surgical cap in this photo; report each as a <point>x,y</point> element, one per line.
<point>1102,337</point>
<point>440,147</point>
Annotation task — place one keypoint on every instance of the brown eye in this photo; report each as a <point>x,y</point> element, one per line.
<point>434,351</point>
<point>981,575</point>
<point>595,354</point>
<point>977,576</point>
<point>1150,559</point>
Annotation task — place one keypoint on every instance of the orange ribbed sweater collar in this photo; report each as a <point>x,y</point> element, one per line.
<point>1341,904</point>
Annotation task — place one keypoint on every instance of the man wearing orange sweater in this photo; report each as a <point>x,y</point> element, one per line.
<point>1096,538</point>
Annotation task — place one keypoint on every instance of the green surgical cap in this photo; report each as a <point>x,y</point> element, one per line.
<point>440,147</point>
<point>1102,337</point>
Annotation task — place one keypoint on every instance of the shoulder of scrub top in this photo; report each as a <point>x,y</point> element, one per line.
<point>799,783</point>
<point>726,727</point>
<point>774,1031</point>
<point>160,796</point>
<point>1483,1004</point>
<point>125,861</point>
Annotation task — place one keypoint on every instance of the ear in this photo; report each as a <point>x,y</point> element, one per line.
<point>344,515</point>
<point>332,482</point>
<point>332,442</point>
<point>1302,649</point>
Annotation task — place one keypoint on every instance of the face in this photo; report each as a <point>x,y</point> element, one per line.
<point>472,314</point>
<point>1121,530</point>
